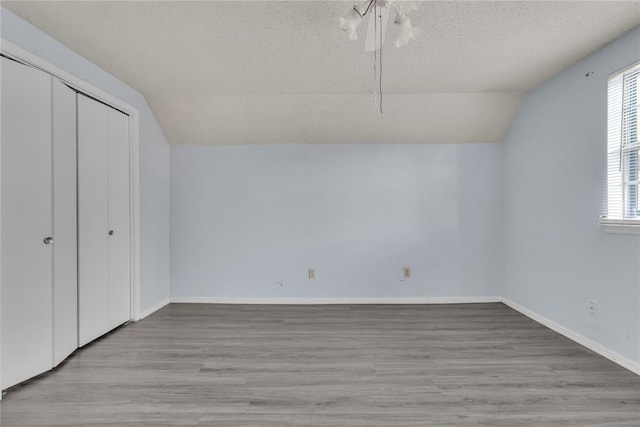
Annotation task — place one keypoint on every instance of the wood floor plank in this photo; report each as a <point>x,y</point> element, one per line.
<point>344,365</point>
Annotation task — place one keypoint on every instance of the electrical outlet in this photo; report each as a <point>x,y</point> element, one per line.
<point>406,272</point>
<point>593,308</point>
<point>280,283</point>
<point>311,273</point>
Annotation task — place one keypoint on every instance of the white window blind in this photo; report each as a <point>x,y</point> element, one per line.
<point>623,148</point>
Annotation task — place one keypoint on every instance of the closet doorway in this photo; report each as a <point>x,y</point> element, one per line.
<point>69,215</point>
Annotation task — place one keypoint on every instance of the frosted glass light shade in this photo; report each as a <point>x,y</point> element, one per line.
<point>350,22</point>
<point>406,31</point>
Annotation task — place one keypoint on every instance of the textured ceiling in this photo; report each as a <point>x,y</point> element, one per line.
<point>229,72</point>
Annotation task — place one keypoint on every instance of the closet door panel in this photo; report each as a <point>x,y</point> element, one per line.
<point>119,234</point>
<point>65,281</point>
<point>93,225</point>
<point>26,221</point>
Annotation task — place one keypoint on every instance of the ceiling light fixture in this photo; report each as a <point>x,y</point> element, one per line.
<point>379,12</point>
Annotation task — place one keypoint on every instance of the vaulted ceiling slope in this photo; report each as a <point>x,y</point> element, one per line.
<point>242,72</point>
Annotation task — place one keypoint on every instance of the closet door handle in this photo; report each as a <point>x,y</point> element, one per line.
<point>111,232</point>
<point>48,240</point>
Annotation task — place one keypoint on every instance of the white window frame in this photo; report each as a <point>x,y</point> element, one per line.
<point>620,225</point>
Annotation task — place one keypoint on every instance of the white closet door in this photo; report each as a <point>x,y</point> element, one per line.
<point>93,223</point>
<point>65,280</point>
<point>26,294</point>
<point>119,234</point>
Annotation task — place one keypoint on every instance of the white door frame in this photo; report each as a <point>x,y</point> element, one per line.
<point>11,50</point>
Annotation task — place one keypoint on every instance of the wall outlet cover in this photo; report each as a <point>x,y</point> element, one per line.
<point>593,308</point>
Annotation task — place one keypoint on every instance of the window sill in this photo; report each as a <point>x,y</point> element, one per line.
<point>614,226</point>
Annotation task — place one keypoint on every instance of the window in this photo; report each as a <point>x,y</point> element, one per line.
<point>622,204</point>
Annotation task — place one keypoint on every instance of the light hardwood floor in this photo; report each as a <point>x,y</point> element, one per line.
<point>364,365</point>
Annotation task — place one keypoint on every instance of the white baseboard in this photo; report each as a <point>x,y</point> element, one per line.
<point>153,309</point>
<point>322,301</point>
<point>629,364</point>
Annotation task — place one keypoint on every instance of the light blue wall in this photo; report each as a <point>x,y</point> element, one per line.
<point>557,257</point>
<point>154,151</point>
<point>243,218</point>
